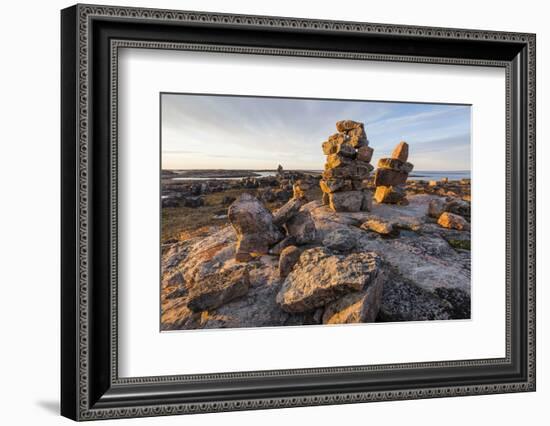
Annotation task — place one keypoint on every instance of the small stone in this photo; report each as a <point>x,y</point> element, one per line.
<point>401,151</point>
<point>289,257</point>
<point>453,221</point>
<point>345,125</point>
<point>349,201</point>
<point>337,160</point>
<point>432,183</point>
<point>379,226</point>
<point>364,153</point>
<point>334,185</point>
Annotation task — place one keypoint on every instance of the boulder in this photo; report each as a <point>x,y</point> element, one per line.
<point>340,239</point>
<point>348,201</point>
<point>401,151</point>
<point>379,226</point>
<point>356,307</point>
<point>254,227</point>
<point>321,277</point>
<point>389,177</point>
<point>302,227</point>
<point>453,221</point>
<point>347,172</point>
<point>216,289</point>
<point>287,211</point>
<point>287,260</point>
<point>459,207</point>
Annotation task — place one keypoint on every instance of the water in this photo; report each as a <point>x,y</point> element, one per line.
<point>438,175</point>
<point>415,175</point>
<point>260,175</point>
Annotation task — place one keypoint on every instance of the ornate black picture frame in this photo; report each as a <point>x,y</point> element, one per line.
<point>91,36</point>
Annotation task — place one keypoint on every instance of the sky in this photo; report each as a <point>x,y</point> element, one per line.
<point>235,132</point>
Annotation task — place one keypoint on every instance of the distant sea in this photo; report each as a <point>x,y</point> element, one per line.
<point>415,175</point>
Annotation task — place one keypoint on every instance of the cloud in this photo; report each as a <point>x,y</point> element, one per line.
<point>204,131</point>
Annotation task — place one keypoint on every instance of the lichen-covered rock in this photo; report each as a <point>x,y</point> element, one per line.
<point>348,201</point>
<point>337,160</point>
<point>287,260</point>
<point>335,185</point>
<point>302,227</point>
<point>254,227</point>
<point>218,288</point>
<point>345,125</point>
<point>453,221</point>
<point>357,307</point>
<point>321,277</point>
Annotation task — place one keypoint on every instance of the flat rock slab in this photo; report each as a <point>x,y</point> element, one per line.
<point>321,277</point>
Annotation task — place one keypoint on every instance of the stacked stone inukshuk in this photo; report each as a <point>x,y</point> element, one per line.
<point>348,166</point>
<point>391,175</point>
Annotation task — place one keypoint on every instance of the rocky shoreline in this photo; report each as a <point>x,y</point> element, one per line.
<point>284,254</point>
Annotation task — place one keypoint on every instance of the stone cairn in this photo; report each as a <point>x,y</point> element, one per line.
<point>391,175</point>
<point>344,181</point>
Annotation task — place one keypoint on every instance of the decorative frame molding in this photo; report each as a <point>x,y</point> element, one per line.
<point>87,397</point>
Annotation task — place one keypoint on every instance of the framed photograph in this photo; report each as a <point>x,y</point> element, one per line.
<point>263,212</point>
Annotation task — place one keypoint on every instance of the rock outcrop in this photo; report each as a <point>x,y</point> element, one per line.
<point>391,175</point>
<point>321,277</point>
<point>347,168</point>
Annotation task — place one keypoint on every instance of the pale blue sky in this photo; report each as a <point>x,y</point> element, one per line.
<point>231,132</point>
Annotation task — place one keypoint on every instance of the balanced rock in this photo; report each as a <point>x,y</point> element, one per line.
<point>391,176</point>
<point>321,277</point>
<point>254,227</point>
<point>346,169</point>
<point>401,151</point>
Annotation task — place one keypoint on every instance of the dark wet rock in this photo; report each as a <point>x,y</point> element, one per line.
<point>348,201</point>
